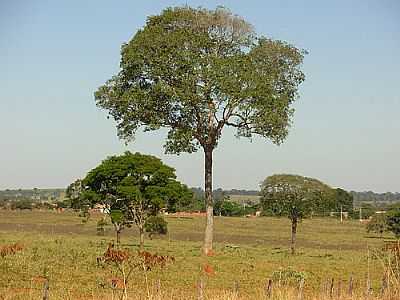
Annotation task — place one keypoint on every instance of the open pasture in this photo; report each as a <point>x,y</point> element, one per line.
<point>248,251</point>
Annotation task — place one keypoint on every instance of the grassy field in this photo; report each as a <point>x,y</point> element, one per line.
<point>248,251</point>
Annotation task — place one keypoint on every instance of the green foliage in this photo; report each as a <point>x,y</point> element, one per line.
<point>64,204</point>
<point>131,180</point>
<point>22,204</point>
<point>293,196</point>
<point>133,187</point>
<point>229,208</point>
<point>156,225</point>
<point>343,200</point>
<point>180,197</point>
<point>117,216</point>
<point>377,224</point>
<point>393,220</point>
<point>74,194</point>
<point>376,198</point>
<point>197,70</point>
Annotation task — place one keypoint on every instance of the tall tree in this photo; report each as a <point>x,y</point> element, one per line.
<point>133,187</point>
<point>293,196</point>
<point>197,71</point>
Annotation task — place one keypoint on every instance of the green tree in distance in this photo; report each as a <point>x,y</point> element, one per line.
<point>73,194</point>
<point>378,224</point>
<point>197,71</point>
<point>293,196</point>
<point>132,186</point>
<point>343,200</point>
<point>393,220</point>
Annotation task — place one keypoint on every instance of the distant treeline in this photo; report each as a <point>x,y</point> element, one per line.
<point>32,194</point>
<point>220,193</point>
<point>58,194</point>
<point>357,196</point>
<point>375,198</point>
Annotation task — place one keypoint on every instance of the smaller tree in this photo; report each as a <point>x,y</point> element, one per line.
<point>378,224</point>
<point>393,220</point>
<point>293,196</point>
<point>156,225</point>
<point>133,186</point>
<point>343,200</point>
<point>180,197</point>
<point>229,208</point>
<point>119,222</point>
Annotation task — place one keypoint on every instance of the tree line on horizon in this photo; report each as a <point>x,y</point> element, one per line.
<point>56,194</point>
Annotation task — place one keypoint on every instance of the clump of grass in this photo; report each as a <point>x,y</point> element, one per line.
<point>289,276</point>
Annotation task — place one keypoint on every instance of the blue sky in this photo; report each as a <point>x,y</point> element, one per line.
<point>54,55</point>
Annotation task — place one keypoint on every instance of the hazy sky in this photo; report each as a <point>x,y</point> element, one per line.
<point>54,55</point>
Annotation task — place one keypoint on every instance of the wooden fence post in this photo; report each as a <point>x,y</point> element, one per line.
<point>350,290</point>
<point>331,288</point>
<point>301,286</point>
<point>339,289</point>
<point>158,286</point>
<point>384,285</point>
<point>236,288</point>
<point>46,290</point>
<point>268,288</point>
<point>368,291</point>
<point>201,289</point>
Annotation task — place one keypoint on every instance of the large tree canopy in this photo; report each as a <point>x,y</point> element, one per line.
<point>195,71</point>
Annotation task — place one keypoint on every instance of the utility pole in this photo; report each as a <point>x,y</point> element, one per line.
<point>360,214</point>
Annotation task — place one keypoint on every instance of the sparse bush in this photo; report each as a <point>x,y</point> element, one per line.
<point>288,276</point>
<point>126,261</point>
<point>228,208</point>
<point>10,249</point>
<point>84,214</point>
<point>101,224</point>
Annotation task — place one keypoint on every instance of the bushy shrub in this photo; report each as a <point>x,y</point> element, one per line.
<point>22,204</point>
<point>156,225</point>
<point>232,209</point>
<point>377,224</point>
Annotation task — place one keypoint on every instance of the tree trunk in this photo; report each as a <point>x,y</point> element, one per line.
<point>294,230</point>
<point>118,233</point>
<point>141,234</point>
<point>208,236</point>
<point>118,236</point>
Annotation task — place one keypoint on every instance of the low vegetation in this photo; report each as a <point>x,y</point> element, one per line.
<point>249,252</point>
